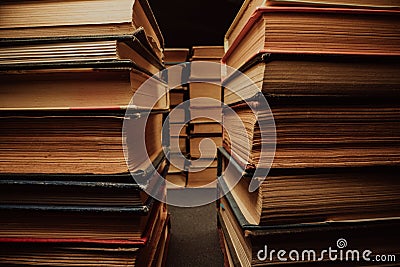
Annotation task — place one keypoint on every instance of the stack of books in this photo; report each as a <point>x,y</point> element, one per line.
<point>205,115</point>
<point>73,191</point>
<point>329,71</point>
<point>174,59</point>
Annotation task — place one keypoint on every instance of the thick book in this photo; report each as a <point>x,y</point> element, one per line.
<point>148,254</point>
<point>202,173</point>
<point>78,141</point>
<point>160,257</point>
<point>135,47</point>
<point>177,71</point>
<point>245,240</point>
<point>315,30</point>
<point>228,260</point>
<point>77,224</point>
<point>207,91</point>
<point>83,84</point>
<point>310,75</point>
<point>145,251</point>
<point>249,6</point>
<point>327,194</point>
<point>207,54</point>
<point>79,18</point>
<point>314,132</point>
<point>107,190</point>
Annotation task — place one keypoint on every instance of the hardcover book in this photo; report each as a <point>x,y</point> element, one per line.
<point>250,6</point>
<point>82,85</point>
<point>315,30</point>
<point>79,18</point>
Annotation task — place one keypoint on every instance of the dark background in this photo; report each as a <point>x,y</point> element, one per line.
<point>186,23</point>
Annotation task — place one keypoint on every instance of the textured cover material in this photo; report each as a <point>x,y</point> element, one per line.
<point>263,10</point>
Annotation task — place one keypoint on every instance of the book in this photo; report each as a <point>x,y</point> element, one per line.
<point>205,114</point>
<point>177,72</point>
<point>86,224</point>
<point>201,71</point>
<point>314,30</point>
<point>208,91</point>
<point>310,75</point>
<point>173,56</point>
<point>208,53</point>
<point>177,130</point>
<point>67,255</point>
<point>245,241</point>
<point>78,190</point>
<point>83,84</point>
<point>387,4</point>
<point>68,252</point>
<point>327,194</point>
<point>203,163</point>
<point>202,178</point>
<point>313,133</point>
<point>228,260</point>
<point>134,47</point>
<point>179,115</point>
<point>79,18</point>
<point>177,173</point>
<point>177,179</point>
<point>204,128</point>
<point>208,147</point>
<point>148,253</point>
<point>250,6</point>
<point>160,258</point>
<point>202,173</point>
<point>178,144</point>
<point>76,141</point>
